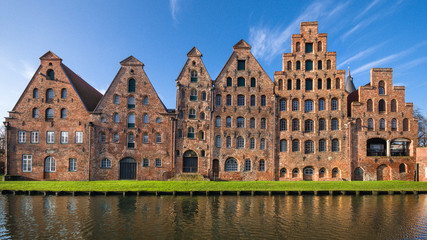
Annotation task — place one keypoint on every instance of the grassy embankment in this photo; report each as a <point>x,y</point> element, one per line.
<point>169,186</point>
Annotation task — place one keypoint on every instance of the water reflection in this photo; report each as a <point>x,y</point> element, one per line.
<point>213,217</point>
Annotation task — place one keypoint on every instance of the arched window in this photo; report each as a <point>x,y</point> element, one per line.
<point>405,124</point>
<point>229,82</point>
<point>35,113</point>
<point>49,114</point>
<point>202,116</point>
<point>240,122</point>
<point>308,125</point>
<point>192,114</point>
<point>252,123</point>
<point>231,165</point>
<point>263,123</point>
<point>203,96</point>
<point>328,64</point>
<point>131,102</point>
<point>283,172</point>
<point>334,124</point>
<point>369,106</point>
<point>280,84</point>
<point>49,94</point>
<point>64,93</point>
<point>295,124</point>
<point>308,84</point>
<point>228,142</point>
<point>105,163</point>
<point>283,145</point>
<point>328,83</point>
<point>194,76</point>
<point>262,144</point>
<point>335,145</point>
<point>289,87</point>
<point>240,142</point>
<point>308,147</point>
<point>158,120</point>
<point>131,120</point>
<point>319,65</point>
<point>145,137</point>
<point>49,164</point>
<point>63,113</point>
<point>158,138</point>
<point>145,118</point>
<point>394,124</point>
<point>283,125</point>
<point>240,100</point>
<point>116,118</point>
<point>319,46</point>
<point>253,101</point>
<point>116,99</point>
<point>337,83</point>
<point>190,132</point>
<point>393,107</point>
<point>298,65</point>
<point>298,87</point>
<point>228,100</point>
<point>131,140</point>
<point>240,82</point>
<point>335,172</point>
<point>228,122</point>
<point>308,106</point>
<point>322,145</point>
<point>295,145</point>
<point>218,100</point>
<point>381,89</point>
<point>50,74</point>
<point>382,124</point>
<point>297,47</point>
<point>308,65</point>
<point>295,105</point>
<point>145,100</point>
<point>322,173</point>
<point>370,124</point>
<point>322,124</point>
<point>247,165</point>
<point>253,82</point>
<point>289,66</point>
<point>295,173</point>
<point>218,121</point>
<point>252,143</point>
<point>319,83</point>
<point>381,106</point>
<point>193,95</point>
<point>261,166</point>
<point>35,93</point>
<point>131,85</point>
<point>102,137</point>
<point>321,104</point>
<point>402,168</point>
<point>282,105</point>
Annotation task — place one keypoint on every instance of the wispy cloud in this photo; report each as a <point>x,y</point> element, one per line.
<point>174,8</point>
<point>268,42</point>
<point>359,55</point>
<point>367,9</point>
<point>411,64</point>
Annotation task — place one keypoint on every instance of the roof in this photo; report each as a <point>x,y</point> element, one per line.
<point>194,52</point>
<point>50,56</point>
<point>131,61</point>
<point>242,44</point>
<point>88,94</point>
<point>349,85</point>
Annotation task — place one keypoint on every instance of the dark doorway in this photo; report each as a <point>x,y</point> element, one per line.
<point>127,168</point>
<point>215,168</point>
<point>358,174</point>
<point>190,162</point>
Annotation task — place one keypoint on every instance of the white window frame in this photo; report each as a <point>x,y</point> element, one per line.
<point>35,136</point>
<point>22,136</point>
<point>105,163</point>
<point>72,165</point>
<point>79,137</point>
<point>50,137</point>
<point>52,165</point>
<point>27,163</point>
<point>64,137</point>
<point>158,162</point>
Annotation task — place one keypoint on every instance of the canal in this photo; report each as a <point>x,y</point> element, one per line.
<point>213,217</point>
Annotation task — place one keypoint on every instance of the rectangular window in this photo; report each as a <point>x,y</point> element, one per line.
<point>27,163</point>
<point>34,137</point>
<point>321,105</point>
<point>79,137</point>
<point>218,100</point>
<point>50,137</point>
<point>240,100</point>
<point>64,137</point>
<point>22,136</point>
<point>145,162</point>
<point>240,65</point>
<point>308,84</point>
<point>263,101</point>
<point>72,167</point>
<point>253,82</point>
<point>252,144</point>
<point>252,100</point>
<point>319,84</point>
<point>228,100</point>
<point>158,162</point>
<point>229,82</point>
<point>289,84</point>
<point>308,47</point>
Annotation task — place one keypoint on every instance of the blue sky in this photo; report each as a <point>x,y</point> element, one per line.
<point>92,37</point>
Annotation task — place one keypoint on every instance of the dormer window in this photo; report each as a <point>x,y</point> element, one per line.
<point>50,74</point>
<point>308,47</point>
<point>381,90</point>
<point>241,65</point>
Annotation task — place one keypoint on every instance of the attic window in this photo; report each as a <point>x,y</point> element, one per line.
<point>194,63</point>
<point>131,85</point>
<point>50,64</point>
<point>50,74</point>
<point>308,47</point>
<point>131,71</point>
<point>241,65</point>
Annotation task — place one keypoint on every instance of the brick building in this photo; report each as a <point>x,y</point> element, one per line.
<point>307,124</point>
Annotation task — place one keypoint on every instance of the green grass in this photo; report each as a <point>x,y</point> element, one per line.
<point>169,186</point>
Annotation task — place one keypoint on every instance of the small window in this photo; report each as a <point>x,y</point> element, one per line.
<point>308,65</point>
<point>381,90</point>
<point>280,84</point>
<point>228,122</point>
<point>102,137</point>
<point>218,121</point>
<point>116,118</point>
<point>369,106</point>
<point>319,65</point>
<point>335,145</point>
<point>49,114</point>
<point>283,172</point>
<point>49,164</point>
<point>283,125</point>
<point>49,94</point>
<point>319,83</point>
<point>334,124</point>
<point>131,102</point>
<point>131,120</point>
<point>328,83</point>
<point>319,46</point>
<point>295,124</point>
<point>283,145</point>
<point>192,114</point>
<point>298,87</point>
<point>240,82</point>
<point>145,100</point>
<point>295,105</point>
<point>229,82</point>
<point>63,113</point>
<point>218,141</point>
<point>263,101</point>
<point>193,95</point>
<point>289,87</point>
<point>27,163</point>
<point>253,82</point>
<point>322,145</point>
<point>36,93</point>
<point>79,137</point>
<point>253,100</point>
<point>247,165</point>
<point>297,47</point>
<point>228,142</point>
<point>252,143</point>
<point>240,143</point>
<point>115,138</point>
<point>72,165</point>
<point>322,104</point>
<point>298,65</point>
<point>394,124</point>
<point>402,168</point>
<point>228,100</point>
<point>64,93</point>
<point>105,163</point>
<point>158,120</point>
<point>35,113</point>
<point>22,136</point>
<point>328,64</point>
<point>308,147</point>
<point>240,65</point>
<point>282,105</point>
<point>295,145</point>
<point>382,124</point>
<point>218,100</point>
<point>35,137</point>
<point>131,85</point>
<point>145,162</point>
<point>146,118</point>
<point>308,106</point>
<point>308,125</point>
<point>194,77</point>
<point>262,144</point>
<point>50,74</point>
<point>203,96</point>
<point>261,167</point>
<point>158,138</point>
<point>335,172</point>
<point>240,122</point>
<point>145,136</point>
<point>393,106</point>
<point>64,137</point>
<point>334,104</point>
<point>322,124</point>
<point>308,47</point>
<point>190,133</point>
<point>231,165</point>
<point>337,83</point>
<point>381,106</point>
<point>116,99</point>
<point>370,124</point>
<point>241,100</point>
<point>252,123</point>
<point>289,66</point>
<point>308,84</point>
<point>201,135</point>
<point>263,123</point>
<point>131,141</point>
<point>405,124</point>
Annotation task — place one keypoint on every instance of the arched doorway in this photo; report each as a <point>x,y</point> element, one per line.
<point>358,174</point>
<point>383,173</point>
<point>215,168</point>
<point>127,168</point>
<point>190,162</point>
<point>308,174</point>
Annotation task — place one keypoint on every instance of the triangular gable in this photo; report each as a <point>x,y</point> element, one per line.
<point>194,52</point>
<point>242,44</point>
<point>50,56</point>
<point>131,61</point>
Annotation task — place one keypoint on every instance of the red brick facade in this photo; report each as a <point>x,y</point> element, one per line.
<point>306,125</point>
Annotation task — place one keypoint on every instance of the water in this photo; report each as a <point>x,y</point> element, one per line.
<point>213,217</point>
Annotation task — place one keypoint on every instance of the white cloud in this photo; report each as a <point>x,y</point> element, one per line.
<point>359,55</point>
<point>373,3</point>
<point>103,90</point>
<point>411,64</point>
<point>174,8</point>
